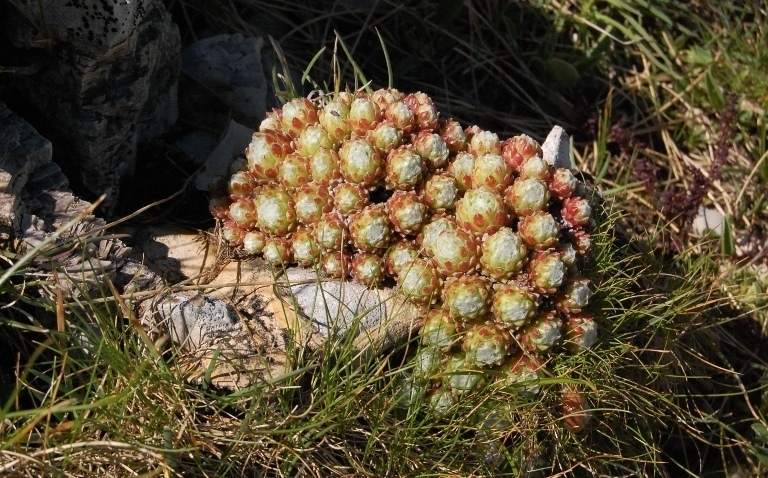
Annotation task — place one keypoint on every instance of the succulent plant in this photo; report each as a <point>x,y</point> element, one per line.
<point>350,197</point>
<point>254,241</point>
<point>547,272</point>
<point>368,268</point>
<point>484,237</point>
<point>482,142</point>
<point>456,254</point>
<point>503,254</point>
<point>580,331</point>
<point>453,135</point>
<point>275,211</point>
<point>404,169</point>
<point>420,282</point>
<point>486,344</point>
<point>467,297</point>
<point>461,169</point>
<point>512,305</point>
<point>331,232</point>
<point>278,251</point>
<point>306,252</point>
<point>440,192</point>
<point>400,254</point>
<point>297,115</point>
<point>481,211</point>
<point>370,229</point>
<point>539,230</point>
<point>527,196</point>
<point>461,376</point>
<point>311,202</point>
<point>439,329</point>
<point>311,139</point>
<point>360,162</point>
<point>432,148</point>
<point>576,212</point>
<point>542,333</point>
<point>523,372</point>
<point>324,166</point>
<point>266,151</point>
<point>519,148</point>
<point>293,171</point>
<point>406,212</point>
<point>492,172</point>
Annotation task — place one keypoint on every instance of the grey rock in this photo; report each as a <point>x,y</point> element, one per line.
<point>231,66</point>
<point>215,172</point>
<point>22,152</point>
<point>194,320</point>
<point>111,84</point>
<point>557,148</point>
<point>708,219</point>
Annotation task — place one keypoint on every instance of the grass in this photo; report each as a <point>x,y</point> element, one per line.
<point>677,383</point>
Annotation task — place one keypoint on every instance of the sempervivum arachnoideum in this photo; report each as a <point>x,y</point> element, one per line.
<point>350,197</point>
<point>439,329</point>
<point>484,237</point>
<point>297,115</point>
<point>460,375</point>
<point>481,211</point>
<point>406,212</point>
<point>266,151</point>
<point>432,148</point>
<point>461,169</point>
<point>491,171</point>
<point>440,192</point>
<point>385,137</point>
<point>522,372</point>
<point>404,169</point>
<point>243,212</point>
<point>361,163</point>
<point>368,269</point>
<point>486,344</point>
<point>539,230</point>
<point>467,297</point>
<point>324,166</point>
<point>547,272</point>
<point>311,139</point>
<point>580,331</point>
<point>427,238</point>
<point>453,135</point>
<point>527,196</point>
<point>254,241</point>
<point>420,282</point>
<point>513,305</point>
<point>482,142</point>
<point>331,232</point>
<point>502,254</point>
<point>541,333</point>
<point>456,253</point>
<point>576,212</point>
<point>275,211</point>
<point>519,148</point>
<point>306,252</point>
<point>574,296</point>
<point>311,202</point>
<point>333,118</point>
<point>363,116</point>
<point>293,171</point>
<point>336,264</point>
<point>399,255</point>
<point>278,251</point>
<point>370,229</point>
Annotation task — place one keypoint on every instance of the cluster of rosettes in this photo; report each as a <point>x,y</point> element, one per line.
<point>482,234</point>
